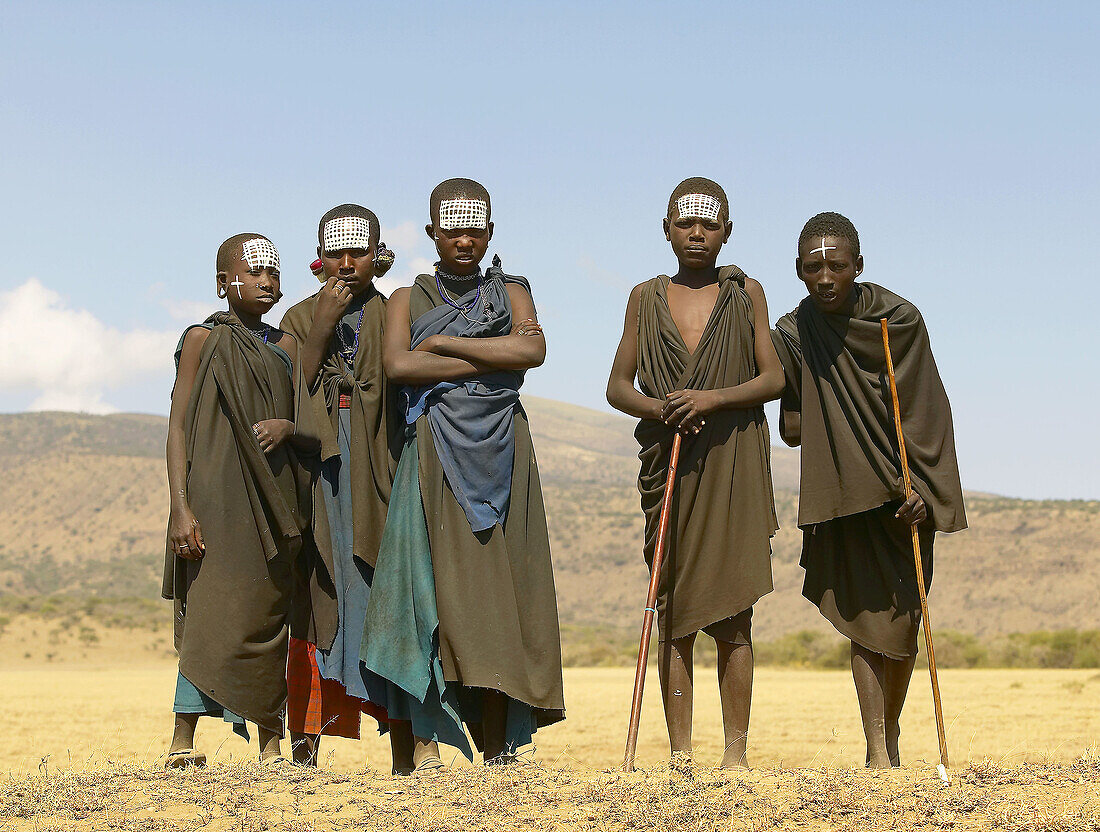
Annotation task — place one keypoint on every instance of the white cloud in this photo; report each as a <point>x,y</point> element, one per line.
<point>69,358</point>
<point>415,255</point>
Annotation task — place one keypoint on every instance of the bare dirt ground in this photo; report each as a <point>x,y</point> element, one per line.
<point>83,747</point>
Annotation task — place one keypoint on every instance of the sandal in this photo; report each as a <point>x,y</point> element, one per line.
<point>185,757</point>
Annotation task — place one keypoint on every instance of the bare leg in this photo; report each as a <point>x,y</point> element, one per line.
<point>182,751</point>
<point>183,733</point>
<point>898,674</point>
<point>401,747</point>
<point>494,722</point>
<point>677,671</point>
<point>735,686</point>
<point>270,745</point>
<point>868,671</point>
<point>305,748</point>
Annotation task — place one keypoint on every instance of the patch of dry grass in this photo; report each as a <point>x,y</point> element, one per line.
<point>248,797</point>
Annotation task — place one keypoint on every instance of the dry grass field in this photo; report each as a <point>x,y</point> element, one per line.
<point>83,747</point>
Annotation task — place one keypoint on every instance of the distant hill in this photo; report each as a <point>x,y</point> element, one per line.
<point>83,507</point>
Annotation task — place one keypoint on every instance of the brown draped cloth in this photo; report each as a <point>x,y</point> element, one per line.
<point>231,606</point>
<point>858,557</point>
<point>375,449</point>
<point>498,615</point>
<point>718,562</point>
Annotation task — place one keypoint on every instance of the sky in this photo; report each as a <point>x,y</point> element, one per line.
<point>135,137</point>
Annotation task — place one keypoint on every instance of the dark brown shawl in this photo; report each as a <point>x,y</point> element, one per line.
<point>375,448</point>
<point>836,376</point>
<point>719,549</point>
<point>231,607</point>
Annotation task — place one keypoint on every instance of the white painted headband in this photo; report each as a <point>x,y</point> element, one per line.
<point>259,253</point>
<point>463,213</point>
<point>701,206</point>
<point>346,232</point>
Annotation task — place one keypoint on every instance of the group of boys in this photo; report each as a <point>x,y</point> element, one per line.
<point>357,523</point>
<point>398,562</point>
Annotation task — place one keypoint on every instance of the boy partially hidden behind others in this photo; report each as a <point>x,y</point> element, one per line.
<point>857,546</point>
<point>239,503</point>
<point>698,344</point>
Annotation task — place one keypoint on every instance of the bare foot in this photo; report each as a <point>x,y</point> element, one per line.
<point>878,760</point>
<point>893,733</point>
<point>304,749</point>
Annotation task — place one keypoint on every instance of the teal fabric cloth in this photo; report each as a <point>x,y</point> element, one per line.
<point>401,622</point>
<point>400,634</point>
<point>190,700</point>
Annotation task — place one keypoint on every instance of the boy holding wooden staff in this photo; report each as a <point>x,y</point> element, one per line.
<point>697,344</point>
<point>857,546</point>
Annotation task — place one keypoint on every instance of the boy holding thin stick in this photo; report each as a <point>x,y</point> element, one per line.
<point>857,546</point>
<point>697,343</point>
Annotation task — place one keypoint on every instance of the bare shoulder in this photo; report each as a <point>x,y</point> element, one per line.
<point>753,287</point>
<point>286,342</point>
<point>401,293</point>
<point>194,338</point>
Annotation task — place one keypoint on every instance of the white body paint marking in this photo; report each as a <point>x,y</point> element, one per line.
<point>463,213</point>
<point>343,233</point>
<point>238,283</point>
<point>259,253</point>
<point>824,248</point>
<point>699,206</point>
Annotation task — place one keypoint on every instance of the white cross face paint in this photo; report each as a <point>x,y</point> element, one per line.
<point>699,206</point>
<point>463,213</point>
<point>342,233</point>
<point>823,248</point>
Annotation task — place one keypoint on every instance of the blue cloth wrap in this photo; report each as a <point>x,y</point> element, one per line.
<point>352,580</point>
<point>190,700</point>
<point>471,420</point>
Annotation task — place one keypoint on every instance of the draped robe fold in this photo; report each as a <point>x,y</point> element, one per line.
<point>352,479</point>
<point>231,606</point>
<point>494,615</point>
<point>718,561</point>
<point>857,556</point>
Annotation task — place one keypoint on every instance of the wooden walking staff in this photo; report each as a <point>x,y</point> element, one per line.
<point>651,605</point>
<point>942,767</point>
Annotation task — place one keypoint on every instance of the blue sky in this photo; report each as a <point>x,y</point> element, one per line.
<point>958,137</point>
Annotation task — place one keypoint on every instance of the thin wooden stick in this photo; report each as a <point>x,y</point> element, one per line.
<point>651,605</point>
<point>942,768</point>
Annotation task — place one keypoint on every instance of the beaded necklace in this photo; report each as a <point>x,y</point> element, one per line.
<point>463,309</point>
<point>349,351</point>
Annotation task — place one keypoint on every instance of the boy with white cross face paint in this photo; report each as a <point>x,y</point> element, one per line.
<point>349,402</point>
<point>239,505</point>
<point>697,343</point>
<point>856,520</point>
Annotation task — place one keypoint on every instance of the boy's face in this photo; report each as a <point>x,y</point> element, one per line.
<point>250,289</point>
<point>354,266</point>
<point>828,268</point>
<point>460,250</point>
<point>696,241</point>
<point>347,252</point>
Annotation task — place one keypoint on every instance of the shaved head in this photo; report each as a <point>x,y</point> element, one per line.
<point>461,196</point>
<point>831,224</point>
<point>232,250</point>
<point>344,232</point>
<point>701,197</point>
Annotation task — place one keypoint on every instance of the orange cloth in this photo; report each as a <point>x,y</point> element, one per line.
<point>316,705</point>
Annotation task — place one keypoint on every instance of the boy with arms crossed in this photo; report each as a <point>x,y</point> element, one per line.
<point>857,548</point>
<point>239,504</point>
<point>465,559</point>
<point>698,345</point>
